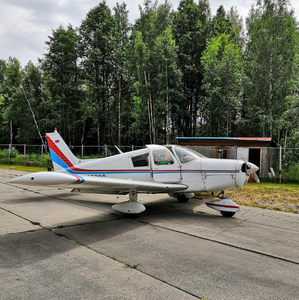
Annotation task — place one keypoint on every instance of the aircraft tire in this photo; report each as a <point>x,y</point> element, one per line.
<point>183,199</point>
<point>227,214</point>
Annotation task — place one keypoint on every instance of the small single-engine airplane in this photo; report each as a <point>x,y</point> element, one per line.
<point>178,171</point>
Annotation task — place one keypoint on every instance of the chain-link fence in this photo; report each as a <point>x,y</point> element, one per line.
<point>274,163</point>
<point>38,155</point>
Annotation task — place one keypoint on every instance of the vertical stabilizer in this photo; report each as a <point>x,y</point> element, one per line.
<point>62,157</point>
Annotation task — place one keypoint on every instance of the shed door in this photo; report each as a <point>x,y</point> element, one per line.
<point>164,166</point>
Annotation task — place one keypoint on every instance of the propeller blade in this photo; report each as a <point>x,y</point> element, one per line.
<point>255,177</point>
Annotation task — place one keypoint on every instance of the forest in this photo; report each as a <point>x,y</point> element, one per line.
<point>174,72</point>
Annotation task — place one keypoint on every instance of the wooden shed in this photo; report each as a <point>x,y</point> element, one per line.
<point>256,150</point>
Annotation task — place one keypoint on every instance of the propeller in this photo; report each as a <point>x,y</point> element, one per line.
<point>251,169</point>
<point>255,177</point>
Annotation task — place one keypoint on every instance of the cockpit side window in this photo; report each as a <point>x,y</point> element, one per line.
<point>162,157</point>
<point>140,160</point>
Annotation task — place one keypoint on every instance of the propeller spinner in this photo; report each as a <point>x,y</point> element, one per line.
<point>251,169</point>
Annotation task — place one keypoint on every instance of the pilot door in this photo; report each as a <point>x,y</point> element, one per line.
<point>164,166</point>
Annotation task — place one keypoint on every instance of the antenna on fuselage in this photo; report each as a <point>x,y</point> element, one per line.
<point>118,149</point>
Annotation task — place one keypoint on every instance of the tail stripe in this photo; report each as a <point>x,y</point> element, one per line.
<point>59,157</point>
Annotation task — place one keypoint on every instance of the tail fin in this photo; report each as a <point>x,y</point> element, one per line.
<point>62,157</point>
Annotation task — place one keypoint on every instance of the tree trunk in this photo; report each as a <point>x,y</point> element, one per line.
<point>119,107</point>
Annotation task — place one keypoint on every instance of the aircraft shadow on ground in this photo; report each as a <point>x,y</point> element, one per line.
<point>87,231</point>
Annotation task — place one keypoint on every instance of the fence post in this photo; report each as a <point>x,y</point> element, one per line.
<point>24,153</point>
<point>82,151</point>
<point>280,157</point>
<point>42,153</point>
<point>106,150</point>
<point>9,149</point>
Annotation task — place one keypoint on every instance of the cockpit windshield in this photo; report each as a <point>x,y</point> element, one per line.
<point>186,155</point>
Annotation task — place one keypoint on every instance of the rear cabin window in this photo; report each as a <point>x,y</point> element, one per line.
<point>140,160</point>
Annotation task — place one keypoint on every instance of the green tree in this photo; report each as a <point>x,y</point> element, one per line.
<point>272,70</point>
<point>98,44</point>
<point>14,105</point>
<point>2,101</point>
<point>168,83</point>
<point>30,112</point>
<point>223,74</point>
<point>152,23</point>
<point>142,95</point>
<point>221,23</point>
<point>236,33</point>
<point>192,29</point>
<point>61,77</point>
<point>121,90</point>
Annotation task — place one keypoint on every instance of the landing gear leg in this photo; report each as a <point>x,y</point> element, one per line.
<point>221,195</point>
<point>183,199</point>
<point>226,214</point>
<point>130,207</point>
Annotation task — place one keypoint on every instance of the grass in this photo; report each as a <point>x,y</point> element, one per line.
<point>281,197</point>
<point>274,196</point>
<point>23,168</point>
<point>132,266</point>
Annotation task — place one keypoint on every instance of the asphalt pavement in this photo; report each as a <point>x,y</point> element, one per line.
<point>55,244</point>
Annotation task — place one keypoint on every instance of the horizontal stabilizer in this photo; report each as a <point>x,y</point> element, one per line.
<point>45,179</point>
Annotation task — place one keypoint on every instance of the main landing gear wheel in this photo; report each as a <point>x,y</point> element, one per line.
<point>183,199</point>
<point>227,214</point>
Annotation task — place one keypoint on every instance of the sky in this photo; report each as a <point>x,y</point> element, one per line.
<point>26,24</point>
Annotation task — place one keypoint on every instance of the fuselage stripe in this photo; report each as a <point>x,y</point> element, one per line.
<point>59,158</point>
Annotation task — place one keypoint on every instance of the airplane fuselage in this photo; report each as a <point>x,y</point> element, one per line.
<point>199,174</point>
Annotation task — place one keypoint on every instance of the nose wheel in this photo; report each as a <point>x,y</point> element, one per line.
<point>225,206</point>
<point>227,214</point>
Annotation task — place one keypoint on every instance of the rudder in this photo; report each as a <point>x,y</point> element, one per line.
<point>61,155</point>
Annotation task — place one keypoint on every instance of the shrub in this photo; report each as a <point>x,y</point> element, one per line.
<point>292,173</point>
<point>19,159</point>
<point>13,153</point>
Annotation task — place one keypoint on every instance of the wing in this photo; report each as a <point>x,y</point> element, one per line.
<point>113,184</point>
<point>97,183</point>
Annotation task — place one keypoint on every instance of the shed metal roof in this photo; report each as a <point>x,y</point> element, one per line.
<point>228,141</point>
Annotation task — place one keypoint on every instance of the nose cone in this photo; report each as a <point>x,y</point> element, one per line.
<point>251,168</point>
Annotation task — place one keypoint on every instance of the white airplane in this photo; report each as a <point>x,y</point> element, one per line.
<point>171,169</point>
